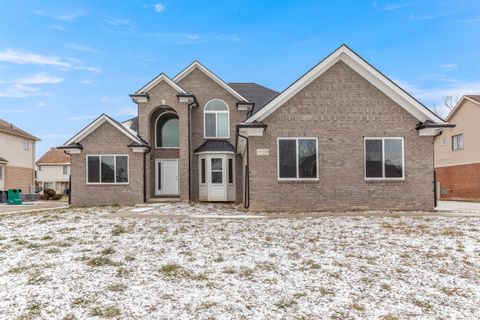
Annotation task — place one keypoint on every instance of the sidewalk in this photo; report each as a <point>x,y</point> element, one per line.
<point>32,207</point>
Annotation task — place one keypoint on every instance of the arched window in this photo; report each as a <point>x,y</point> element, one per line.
<point>216,119</point>
<point>167,132</point>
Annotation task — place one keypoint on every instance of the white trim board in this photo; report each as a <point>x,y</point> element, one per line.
<point>97,123</point>
<point>197,65</point>
<point>458,106</point>
<point>360,66</point>
<point>161,77</point>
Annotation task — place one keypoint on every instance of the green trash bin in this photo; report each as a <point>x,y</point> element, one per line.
<point>13,196</point>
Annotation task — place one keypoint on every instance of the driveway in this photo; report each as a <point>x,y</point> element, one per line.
<point>459,206</point>
<point>32,206</point>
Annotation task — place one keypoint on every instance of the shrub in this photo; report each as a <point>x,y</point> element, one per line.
<point>56,197</point>
<point>48,194</point>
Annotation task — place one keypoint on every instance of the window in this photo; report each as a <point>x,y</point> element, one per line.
<point>1,171</point>
<point>230,170</point>
<point>443,141</point>
<point>297,158</point>
<point>216,119</point>
<point>457,142</point>
<point>26,145</point>
<point>384,158</point>
<point>217,170</point>
<point>107,169</point>
<point>167,131</point>
<point>202,171</point>
<point>49,185</point>
<point>39,168</point>
<point>65,169</point>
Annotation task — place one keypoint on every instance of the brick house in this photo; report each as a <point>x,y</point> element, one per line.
<point>457,153</point>
<point>17,158</point>
<point>343,136</point>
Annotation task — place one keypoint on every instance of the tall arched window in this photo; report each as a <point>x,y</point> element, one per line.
<point>216,119</point>
<point>167,131</point>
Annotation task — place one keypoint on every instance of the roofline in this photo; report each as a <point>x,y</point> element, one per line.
<point>329,61</point>
<point>457,106</point>
<point>161,77</point>
<point>18,134</point>
<point>182,74</point>
<point>84,132</point>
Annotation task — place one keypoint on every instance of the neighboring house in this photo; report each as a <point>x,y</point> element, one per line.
<point>342,137</point>
<point>53,170</point>
<point>457,153</point>
<point>17,158</point>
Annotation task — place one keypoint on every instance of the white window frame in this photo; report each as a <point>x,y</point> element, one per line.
<point>155,130</point>
<point>296,157</point>
<point>65,169</point>
<point>2,171</point>
<point>114,169</point>
<point>383,178</point>
<point>26,145</point>
<point>233,170</point>
<point>204,171</point>
<point>216,170</point>
<point>455,138</point>
<point>216,112</point>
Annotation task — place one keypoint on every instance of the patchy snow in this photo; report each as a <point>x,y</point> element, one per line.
<point>85,263</point>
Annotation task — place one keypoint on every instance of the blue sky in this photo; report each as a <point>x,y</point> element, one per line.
<point>62,63</point>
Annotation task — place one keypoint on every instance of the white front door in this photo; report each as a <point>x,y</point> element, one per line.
<point>166,177</point>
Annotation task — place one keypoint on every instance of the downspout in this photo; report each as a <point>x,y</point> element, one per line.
<point>247,172</point>
<point>190,106</point>
<point>145,175</point>
<point>69,180</point>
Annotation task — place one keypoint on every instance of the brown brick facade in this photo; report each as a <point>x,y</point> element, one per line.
<point>340,108</point>
<point>18,178</point>
<point>460,182</point>
<point>106,140</point>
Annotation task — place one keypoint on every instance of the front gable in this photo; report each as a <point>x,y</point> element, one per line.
<point>362,68</point>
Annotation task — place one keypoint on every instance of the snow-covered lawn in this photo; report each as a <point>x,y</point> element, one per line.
<point>83,263</point>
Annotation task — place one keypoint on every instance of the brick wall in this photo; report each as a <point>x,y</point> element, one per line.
<point>206,89</point>
<point>461,182</point>
<point>106,140</point>
<point>18,178</point>
<point>340,108</point>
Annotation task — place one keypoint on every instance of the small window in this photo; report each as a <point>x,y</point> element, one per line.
<point>107,169</point>
<point>230,170</point>
<point>443,141</point>
<point>1,171</point>
<point>39,168</point>
<point>202,171</point>
<point>216,118</point>
<point>26,145</point>
<point>384,158</point>
<point>297,158</point>
<point>457,142</point>
<point>217,170</point>
<point>65,169</point>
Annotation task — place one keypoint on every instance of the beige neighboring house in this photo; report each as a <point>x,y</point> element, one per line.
<point>53,170</point>
<point>341,137</point>
<point>457,153</point>
<point>17,158</point>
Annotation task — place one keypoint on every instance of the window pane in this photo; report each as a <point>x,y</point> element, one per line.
<point>288,158</point>
<point>170,133</point>
<point>216,105</point>
<point>202,172</point>
<point>216,164</point>
<point>373,157</point>
<point>93,169</point>
<point>159,172</point>
<point>210,125</point>
<point>108,168</point>
<point>454,143</point>
<point>460,141</point>
<point>222,119</point>
<point>1,172</point>
<point>216,177</point>
<point>122,169</point>
<point>230,170</point>
<point>307,158</point>
<point>393,158</point>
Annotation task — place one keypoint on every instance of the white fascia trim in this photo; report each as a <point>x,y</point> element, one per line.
<point>157,80</point>
<point>215,152</point>
<point>71,151</point>
<point>458,106</point>
<point>95,124</point>
<point>365,70</point>
<point>219,81</point>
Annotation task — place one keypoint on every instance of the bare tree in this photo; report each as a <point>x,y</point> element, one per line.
<point>449,102</point>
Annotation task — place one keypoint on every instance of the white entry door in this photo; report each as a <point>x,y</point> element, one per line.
<point>166,177</point>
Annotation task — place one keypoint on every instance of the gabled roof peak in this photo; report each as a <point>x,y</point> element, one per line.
<point>161,77</point>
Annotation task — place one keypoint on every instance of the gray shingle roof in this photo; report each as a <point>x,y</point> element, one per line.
<point>254,92</point>
<point>215,145</point>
